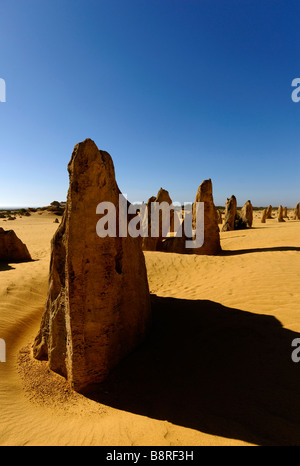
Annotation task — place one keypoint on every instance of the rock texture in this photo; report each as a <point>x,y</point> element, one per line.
<point>98,305</point>
<point>211,245</point>
<point>230,214</point>
<point>247,214</point>
<point>263,216</point>
<point>219,216</point>
<point>280,214</point>
<point>285,212</point>
<point>149,243</point>
<point>163,196</point>
<point>269,212</point>
<point>11,248</point>
<point>154,243</point>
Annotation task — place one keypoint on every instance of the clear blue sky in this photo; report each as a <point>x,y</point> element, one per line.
<point>176,91</point>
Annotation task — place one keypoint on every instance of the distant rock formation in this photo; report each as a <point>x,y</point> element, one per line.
<point>285,212</point>
<point>230,214</point>
<point>98,305</point>
<point>247,214</point>
<point>269,212</point>
<point>263,216</point>
<point>11,248</point>
<point>219,216</point>
<point>149,243</point>
<point>163,196</point>
<point>297,212</point>
<point>55,208</point>
<point>154,243</point>
<point>211,245</point>
<point>280,214</point>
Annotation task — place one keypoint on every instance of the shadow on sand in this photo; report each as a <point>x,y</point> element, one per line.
<point>218,370</point>
<point>248,251</point>
<point>5,266</point>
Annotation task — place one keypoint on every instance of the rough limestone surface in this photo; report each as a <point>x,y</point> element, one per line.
<point>247,214</point>
<point>151,242</point>
<point>211,245</point>
<point>263,216</point>
<point>230,214</point>
<point>285,212</point>
<point>280,214</point>
<point>11,248</point>
<point>98,305</point>
<point>163,196</point>
<point>297,212</point>
<point>219,216</point>
<point>269,212</point>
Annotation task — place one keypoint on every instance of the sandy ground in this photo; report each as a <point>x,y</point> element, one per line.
<point>216,370</point>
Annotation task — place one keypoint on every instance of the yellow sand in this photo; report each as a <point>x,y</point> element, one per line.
<point>259,275</point>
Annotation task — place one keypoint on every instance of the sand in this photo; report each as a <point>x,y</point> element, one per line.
<point>216,370</point>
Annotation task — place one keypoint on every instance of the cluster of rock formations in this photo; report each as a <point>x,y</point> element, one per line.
<point>11,248</point>
<point>179,242</point>
<point>232,219</point>
<point>98,305</point>
<point>282,213</point>
<point>151,242</point>
<point>55,208</point>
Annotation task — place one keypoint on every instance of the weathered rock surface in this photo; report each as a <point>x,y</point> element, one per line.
<point>280,214</point>
<point>247,214</point>
<point>230,214</point>
<point>211,245</point>
<point>263,216</point>
<point>285,212</point>
<point>98,305</point>
<point>164,221</point>
<point>269,212</point>
<point>219,216</point>
<point>149,243</point>
<point>11,248</point>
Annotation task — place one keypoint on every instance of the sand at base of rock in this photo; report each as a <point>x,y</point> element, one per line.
<point>217,370</point>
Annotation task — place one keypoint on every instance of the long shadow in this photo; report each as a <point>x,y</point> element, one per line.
<point>237,252</point>
<point>5,266</point>
<point>211,368</point>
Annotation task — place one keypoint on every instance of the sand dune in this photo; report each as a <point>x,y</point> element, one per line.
<point>216,370</point>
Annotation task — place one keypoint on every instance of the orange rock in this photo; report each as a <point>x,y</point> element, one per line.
<point>11,248</point>
<point>98,306</point>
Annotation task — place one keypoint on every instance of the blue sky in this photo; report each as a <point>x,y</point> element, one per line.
<point>177,91</point>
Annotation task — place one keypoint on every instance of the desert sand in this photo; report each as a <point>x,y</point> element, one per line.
<point>216,369</point>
